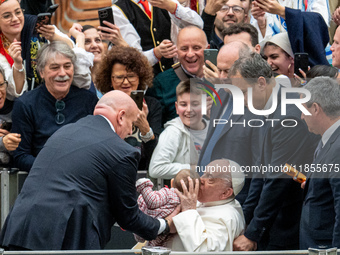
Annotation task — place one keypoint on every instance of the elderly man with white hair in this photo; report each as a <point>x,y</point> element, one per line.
<point>217,219</point>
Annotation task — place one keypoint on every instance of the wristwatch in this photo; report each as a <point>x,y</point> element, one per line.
<point>167,228</point>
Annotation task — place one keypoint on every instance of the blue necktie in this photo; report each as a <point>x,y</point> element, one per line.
<point>206,158</point>
<point>318,149</point>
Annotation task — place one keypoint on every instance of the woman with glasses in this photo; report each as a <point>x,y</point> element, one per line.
<point>8,141</point>
<point>126,69</point>
<point>19,45</point>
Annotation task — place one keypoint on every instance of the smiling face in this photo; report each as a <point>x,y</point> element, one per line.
<point>225,18</point>
<point>191,43</point>
<point>188,107</point>
<point>11,18</point>
<point>58,75</point>
<point>118,72</point>
<point>94,44</point>
<point>279,61</point>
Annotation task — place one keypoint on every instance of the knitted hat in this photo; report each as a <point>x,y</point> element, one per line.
<point>283,42</point>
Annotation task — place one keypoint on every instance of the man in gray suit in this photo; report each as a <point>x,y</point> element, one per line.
<point>274,224</point>
<point>320,218</point>
<point>81,183</point>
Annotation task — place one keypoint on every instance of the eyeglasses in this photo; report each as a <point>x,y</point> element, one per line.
<point>59,106</point>
<point>235,9</point>
<point>7,17</point>
<point>120,78</point>
<point>4,85</point>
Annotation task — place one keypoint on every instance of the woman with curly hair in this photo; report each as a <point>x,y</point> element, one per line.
<point>126,69</point>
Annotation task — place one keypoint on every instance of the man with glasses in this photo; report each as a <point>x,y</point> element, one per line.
<point>42,111</point>
<point>219,15</point>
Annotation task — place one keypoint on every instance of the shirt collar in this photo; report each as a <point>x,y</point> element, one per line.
<point>329,132</point>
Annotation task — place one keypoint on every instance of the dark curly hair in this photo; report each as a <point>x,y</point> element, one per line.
<point>130,57</point>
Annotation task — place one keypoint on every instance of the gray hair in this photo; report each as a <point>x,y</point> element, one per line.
<point>2,72</point>
<point>50,50</point>
<point>252,67</point>
<point>325,91</point>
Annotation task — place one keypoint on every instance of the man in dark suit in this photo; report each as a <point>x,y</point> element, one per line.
<point>274,224</point>
<point>320,217</point>
<point>81,183</point>
<point>235,141</point>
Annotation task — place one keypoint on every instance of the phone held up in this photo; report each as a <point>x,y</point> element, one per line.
<point>42,19</point>
<point>211,55</point>
<point>105,14</point>
<point>300,62</point>
<point>138,96</point>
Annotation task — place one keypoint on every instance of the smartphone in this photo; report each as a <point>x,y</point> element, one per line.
<point>138,96</point>
<point>300,61</point>
<point>211,55</point>
<point>42,19</point>
<point>52,8</point>
<point>107,15</point>
<point>6,125</point>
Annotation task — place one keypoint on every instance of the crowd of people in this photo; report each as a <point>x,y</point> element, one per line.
<point>219,132</point>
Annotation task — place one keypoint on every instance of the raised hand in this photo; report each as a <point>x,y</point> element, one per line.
<point>14,51</point>
<point>113,34</point>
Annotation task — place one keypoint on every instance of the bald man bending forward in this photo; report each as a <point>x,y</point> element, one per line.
<point>82,182</point>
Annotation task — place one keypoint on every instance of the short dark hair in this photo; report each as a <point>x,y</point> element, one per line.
<point>238,28</point>
<point>87,27</point>
<point>322,70</point>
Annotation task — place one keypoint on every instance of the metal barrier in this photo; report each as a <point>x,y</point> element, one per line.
<point>134,252</point>
<point>11,181</point>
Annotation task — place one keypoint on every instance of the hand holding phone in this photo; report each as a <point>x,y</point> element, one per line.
<point>42,19</point>
<point>105,14</point>
<point>211,55</point>
<point>138,96</point>
<point>301,62</point>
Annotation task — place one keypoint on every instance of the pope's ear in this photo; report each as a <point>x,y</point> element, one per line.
<point>227,193</point>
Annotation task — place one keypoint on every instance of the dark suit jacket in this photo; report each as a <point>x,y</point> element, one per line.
<point>320,219</point>
<point>276,218</point>
<point>82,182</point>
<point>237,142</point>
